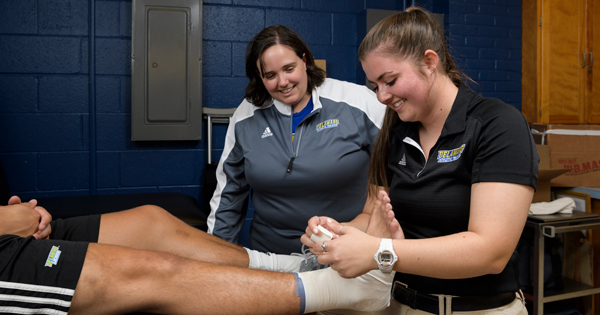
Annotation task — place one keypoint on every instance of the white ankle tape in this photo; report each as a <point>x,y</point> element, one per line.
<point>325,289</point>
<point>273,262</point>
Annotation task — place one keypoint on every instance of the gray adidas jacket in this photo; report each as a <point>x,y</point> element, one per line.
<point>322,172</point>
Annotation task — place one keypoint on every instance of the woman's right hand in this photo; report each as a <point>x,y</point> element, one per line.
<point>312,229</point>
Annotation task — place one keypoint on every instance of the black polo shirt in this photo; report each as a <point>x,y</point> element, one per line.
<point>483,140</point>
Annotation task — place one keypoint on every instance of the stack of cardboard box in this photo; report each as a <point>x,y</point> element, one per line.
<point>569,157</point>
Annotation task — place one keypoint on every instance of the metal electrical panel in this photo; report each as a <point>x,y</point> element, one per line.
<point>166,70</point>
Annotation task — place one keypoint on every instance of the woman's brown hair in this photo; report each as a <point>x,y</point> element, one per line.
<point>255,91</point>
<point>405,36</point>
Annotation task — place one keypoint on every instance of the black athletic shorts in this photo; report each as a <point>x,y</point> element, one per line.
<point>40,276</point>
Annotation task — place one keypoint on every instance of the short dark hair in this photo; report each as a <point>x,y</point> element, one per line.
<point>255,92</point>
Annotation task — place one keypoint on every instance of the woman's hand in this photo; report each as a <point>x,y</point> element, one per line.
<point>351,254</point>
<point>312,229</point>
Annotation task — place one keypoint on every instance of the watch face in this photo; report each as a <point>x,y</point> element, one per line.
<point>386,258</point>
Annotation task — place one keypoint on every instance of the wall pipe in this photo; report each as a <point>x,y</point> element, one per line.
<point>92,94</point>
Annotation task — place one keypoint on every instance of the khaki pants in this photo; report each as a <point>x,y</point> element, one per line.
<point>517,307</point>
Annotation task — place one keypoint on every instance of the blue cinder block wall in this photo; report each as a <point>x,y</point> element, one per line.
<point>46,145</point>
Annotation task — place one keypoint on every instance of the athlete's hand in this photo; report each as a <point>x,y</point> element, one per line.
<point>43,224</point>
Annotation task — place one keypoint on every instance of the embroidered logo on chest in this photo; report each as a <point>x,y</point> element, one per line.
<point>331,123</point>
<point>267,133</point>
<point>450,155</point>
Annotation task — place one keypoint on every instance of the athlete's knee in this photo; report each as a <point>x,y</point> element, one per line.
<point>158,265</point>
<point>152,216</point>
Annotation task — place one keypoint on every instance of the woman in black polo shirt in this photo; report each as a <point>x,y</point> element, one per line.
<point>460,169</point>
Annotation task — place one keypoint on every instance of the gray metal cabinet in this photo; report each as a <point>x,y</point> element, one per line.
<point>166,78</point>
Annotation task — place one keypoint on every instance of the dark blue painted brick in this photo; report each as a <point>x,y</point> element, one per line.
<point>385,4</point>
<point>125,19</point>
<point>508,86</point>
<point>509,21</point>
<point>478,41</point>
<point>218,136</point>
<point>108,90</point>
<point>509,65</point>
<point>85,123</point>
<point>479,19</point>
<point>514,76</point>
<point>466,8</point>
<point>493,31</point>
<point>18,16</point>
<point>459,29</point>
<point>515,54</point>
<point>18,94</point>
<point>515,33</point>
<point>232,23</point>
<point>63,17</point>
<point>493,53</point>
<point>464,52</point>
<point>21,54</point>
<point>239,59</point>
<point>216,57</point>
<point>288,4</point>
<point>454,18</point>
<point>113,131</point>
<point>64,94</point>
<point>471,73</point>
<point>37,133</point>
<point>85,47</point>
<point>456,40</point>
<point>21,171</point>
<point>217,1</point>
<point>107,169</point>
<point>481,64</point>
<point>490,75</point>
<point>513,97</point>
<point>341,60</point>
<point>353,6</point>
<point>493,9</point>
<point>158,168</point>
<point>216,154</point>
<point>113,56</point>
<point>125,95</point>
<point>344,29</point>
<point>313,27</point>
<point>220,92</point>
<point>107,18</point>
<point>65,170</point>
<point>515,10</point>
<point>128,190</point>
<point>508,43</point>
<point>483,86</point>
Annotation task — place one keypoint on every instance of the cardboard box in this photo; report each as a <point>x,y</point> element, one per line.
<point>545,175</point>
<point>574,147</point>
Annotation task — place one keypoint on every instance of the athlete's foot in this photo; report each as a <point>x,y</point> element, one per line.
<point>382,222</point>
<point>325,289</point>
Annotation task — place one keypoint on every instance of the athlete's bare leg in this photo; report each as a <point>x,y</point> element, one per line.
<point>153,228</point>
<point>117,280</point>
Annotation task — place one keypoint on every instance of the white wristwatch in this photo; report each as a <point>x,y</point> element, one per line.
<point>385,256</point>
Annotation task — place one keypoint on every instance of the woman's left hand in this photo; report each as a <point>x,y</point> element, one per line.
<point>351,254</point>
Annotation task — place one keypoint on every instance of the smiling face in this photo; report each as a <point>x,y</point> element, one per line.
<point>284,76</point>
<point>400,84</point>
